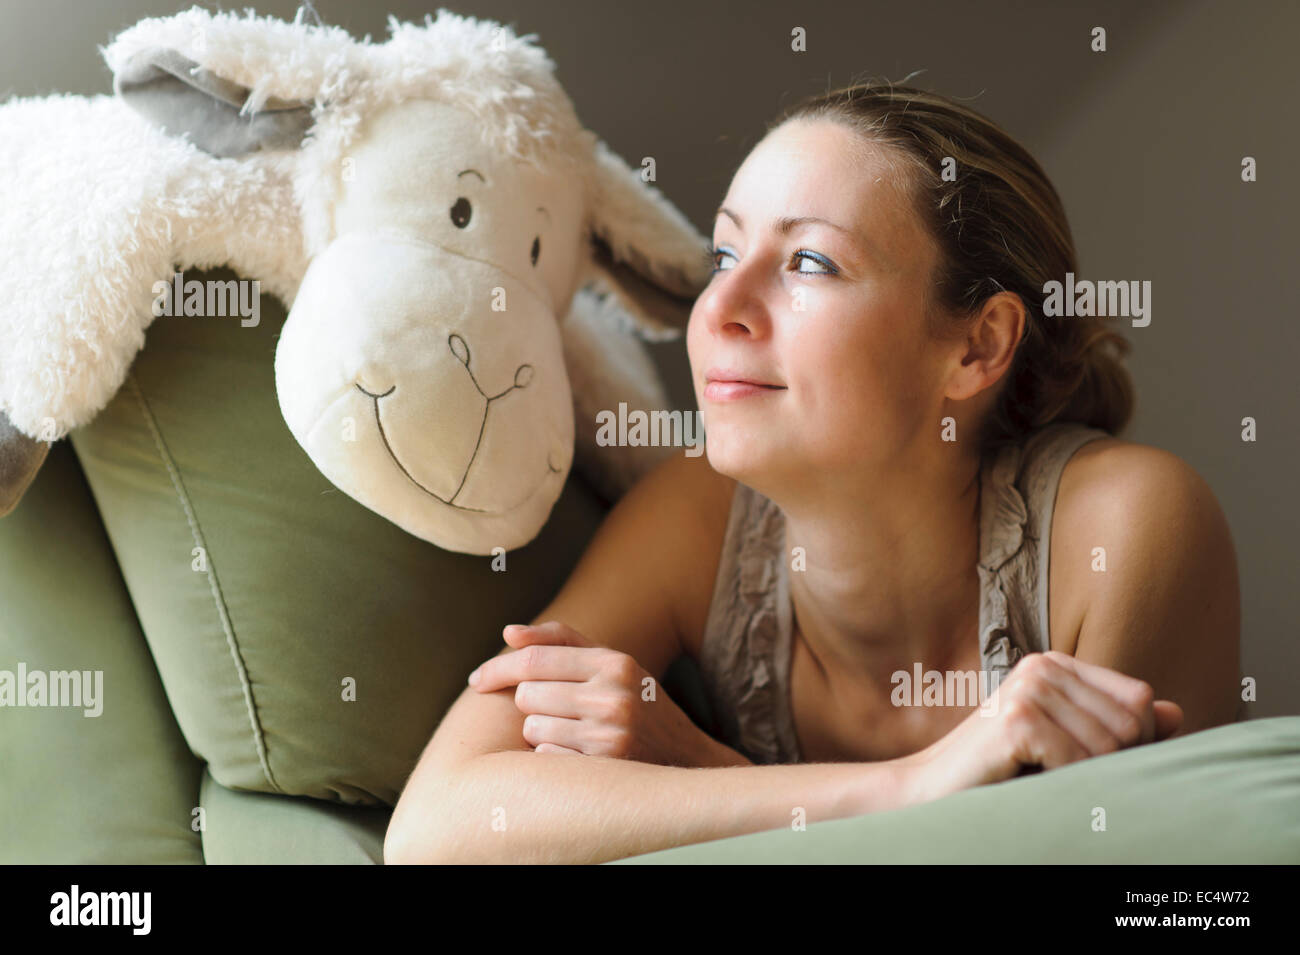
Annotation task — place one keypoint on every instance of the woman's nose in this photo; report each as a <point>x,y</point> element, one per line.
<point>732,303</point>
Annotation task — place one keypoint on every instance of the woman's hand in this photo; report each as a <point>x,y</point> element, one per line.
<point>1052,709</point>
<point>580,698</point>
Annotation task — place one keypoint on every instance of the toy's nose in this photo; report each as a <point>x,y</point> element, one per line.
<point>459,348</point>
<point>523,374</point>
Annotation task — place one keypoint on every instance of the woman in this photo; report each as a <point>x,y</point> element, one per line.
<point>910,469</point>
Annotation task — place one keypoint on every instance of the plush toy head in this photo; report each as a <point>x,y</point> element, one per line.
<point>432,210</point>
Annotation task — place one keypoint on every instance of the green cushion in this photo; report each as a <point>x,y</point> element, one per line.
<point>118,787</point>
<point>1226,795</point>
<point>247,828</point>
<point>303,591</point>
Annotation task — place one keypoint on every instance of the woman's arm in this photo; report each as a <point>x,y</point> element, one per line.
<point>1166,608</point>
<point>480,792</point>
<point>518,806</point>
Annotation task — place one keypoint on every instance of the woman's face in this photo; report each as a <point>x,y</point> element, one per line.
<point>830,313</point>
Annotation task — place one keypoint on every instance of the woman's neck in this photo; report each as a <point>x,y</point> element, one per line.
<point>890,576</point>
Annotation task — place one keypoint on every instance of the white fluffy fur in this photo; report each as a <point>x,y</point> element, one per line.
<point>96,205</point>
<point>504,79</point>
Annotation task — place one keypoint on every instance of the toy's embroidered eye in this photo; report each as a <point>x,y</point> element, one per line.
<point>537,248</point>
<point>460,213</point>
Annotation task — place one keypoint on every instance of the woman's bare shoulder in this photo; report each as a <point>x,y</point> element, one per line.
<point>1146,555</point>
<point>1110,477</point>
<point>1106,490</point>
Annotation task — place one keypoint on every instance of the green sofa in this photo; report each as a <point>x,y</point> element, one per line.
<point>275,656</point>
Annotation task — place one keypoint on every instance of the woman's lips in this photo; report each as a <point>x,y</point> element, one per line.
<point>735,390</point>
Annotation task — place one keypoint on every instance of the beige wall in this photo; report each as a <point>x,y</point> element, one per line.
<point>1143,142</point>
<point>1149,165</point>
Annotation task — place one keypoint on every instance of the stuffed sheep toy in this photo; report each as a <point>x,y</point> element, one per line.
<point>465,266</point>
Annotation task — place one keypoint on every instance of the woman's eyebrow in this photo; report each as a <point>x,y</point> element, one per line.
<point>786,224</point>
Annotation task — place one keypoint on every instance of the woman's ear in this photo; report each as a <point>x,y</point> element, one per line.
<point>989,347</point>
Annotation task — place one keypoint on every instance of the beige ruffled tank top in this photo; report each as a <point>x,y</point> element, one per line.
<point>745,655</point>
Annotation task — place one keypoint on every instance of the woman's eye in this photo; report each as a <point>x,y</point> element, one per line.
<point>823,264</point>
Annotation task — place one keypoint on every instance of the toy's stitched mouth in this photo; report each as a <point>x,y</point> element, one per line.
<point>461,351</point>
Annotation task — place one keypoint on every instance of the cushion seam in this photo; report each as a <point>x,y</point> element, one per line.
<point>213,584</point>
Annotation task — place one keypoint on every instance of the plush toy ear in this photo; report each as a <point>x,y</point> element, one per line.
<point>646,255</point>
<point>20,458</point>
<point>184,99</point>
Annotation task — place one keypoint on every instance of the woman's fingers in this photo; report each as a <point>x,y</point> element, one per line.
<point>550,698</point>
<point>1118,720</point>
<point>1084,724</point>
<point>552,748</point>
<point>552,632</point>
<point>1136,695</point>
<point>1041,741</point>
<point>537,662</point>
<point>539,730</point>
<point>1169,718</point>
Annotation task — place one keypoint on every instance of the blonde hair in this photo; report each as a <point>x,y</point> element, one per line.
<point>1000,226</point>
